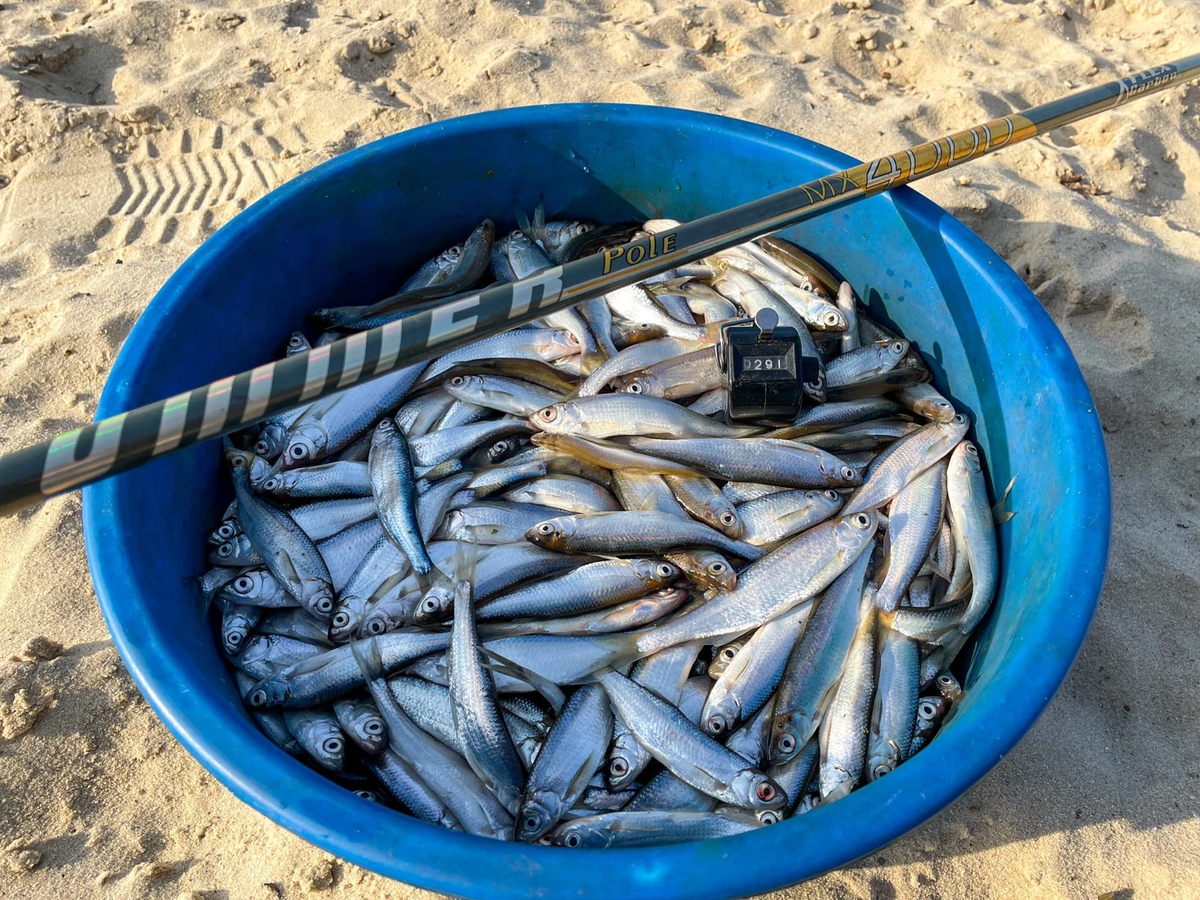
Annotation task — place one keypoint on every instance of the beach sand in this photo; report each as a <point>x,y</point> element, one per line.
<point>129,132</point>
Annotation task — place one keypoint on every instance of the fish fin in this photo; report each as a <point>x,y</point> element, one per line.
<point>305,666</point>
<point>999,513</point>
<point>368,658</point>
<point>580,782</point>
<point>523,221</point>
<point>589,363</point>
<point>937,568</point>
<point>466,558</point>
<point>320,412</point>
<point>285,562</point>
<point>384,589</point>
<point>669,285</point>
<point>539,222</point>
<point>843,788</point>
<point>548,689</point>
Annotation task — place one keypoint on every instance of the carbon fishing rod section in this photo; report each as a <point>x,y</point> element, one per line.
<point>125,441</point>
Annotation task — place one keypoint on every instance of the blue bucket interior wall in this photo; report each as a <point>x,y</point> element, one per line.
<point>349,231</point>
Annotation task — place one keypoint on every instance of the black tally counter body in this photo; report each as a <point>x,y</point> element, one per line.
<point>764,368</point>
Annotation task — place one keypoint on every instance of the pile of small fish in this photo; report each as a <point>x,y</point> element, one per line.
<point>540,589</point>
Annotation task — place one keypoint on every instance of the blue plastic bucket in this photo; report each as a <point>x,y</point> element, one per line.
<point>347,231</point>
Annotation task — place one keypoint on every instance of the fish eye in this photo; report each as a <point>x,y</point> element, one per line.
<point>341,620</point>
<point>332,745</point>
<point>665,571</point>
<point>717,568</point>
<point>324,604</point>
<point>571,339</point>
<point>373,726</point>
<point>261,448</point>
<point>299,451</point>
<point>375,627</point>
<point>959,419</point>
<point>430,605</point>
<point>944,404</point>
<point>618,767</point>
<point>532,823</point>
<point>549,414</point>
<point>833,496</point>
<point>728,653</point>
<point>258,697</point>
<point>880,770</point>
<point>545,528</point>
<point>728,519</point>
<point>787,743</point>
<point>225,549</point>
<point>847,472</point>
<point>768,817</point>
<point>572,840</point>
<point>898,347</point>
<point>972,449</point>
<point>861,520</point>
<point>457,380</point>
<point>634,388</point>
<point>927,710</point>
<point>765,792</point>
<point>716,725</point>
<point>234,637</point>
<point>273,483</point>
<point>833,319</point>
<point>244,584</point>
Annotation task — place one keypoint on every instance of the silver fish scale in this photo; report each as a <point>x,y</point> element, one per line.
<point>816,662</point>
<point>288,552</point>
<point>546,344</point>
<point>914,520</point>
<point>681,746</point>
<point>613,521</point>
<point>780,515</point>
<point>572,752</point>
<point>844,744</point>
<point>335,673</point>
<point>331,426</point>
<point>491,522</point>
<point>430,707</point>
<point>666,791</point>
<point>591,586</point>
<point>403,784</point>
<point>442,445</point>
<point>904,461</point>
<point>752,676</point>
<point>825,416</point>
<point>895,711</point>
<point>486,743</point>
<point>790,575</point>
<point>755,459</point>
<point>640,829</point>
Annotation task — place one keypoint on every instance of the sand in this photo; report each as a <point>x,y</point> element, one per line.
<point>129,132</point>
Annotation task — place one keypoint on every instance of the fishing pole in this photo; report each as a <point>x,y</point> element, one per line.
<point>127,440</point>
